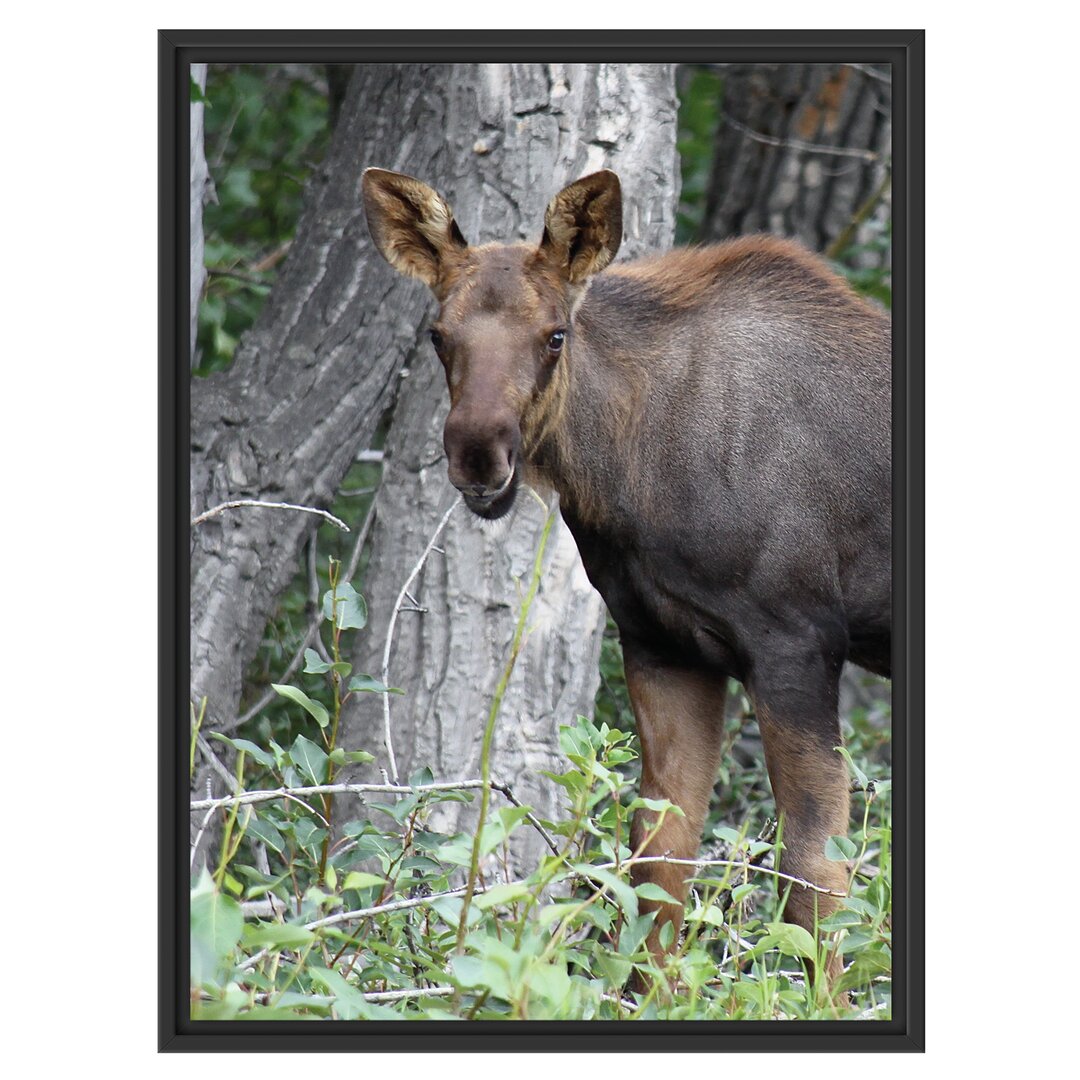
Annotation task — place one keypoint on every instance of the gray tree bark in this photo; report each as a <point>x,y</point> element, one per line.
<point>515,135</point>
<point>200,187</point>
<point>772,170</point>
<point>308,384</point>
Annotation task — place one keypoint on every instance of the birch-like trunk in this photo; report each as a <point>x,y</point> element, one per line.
<point>515,135</point>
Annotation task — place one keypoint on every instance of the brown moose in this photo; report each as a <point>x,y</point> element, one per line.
<point>716,422</point>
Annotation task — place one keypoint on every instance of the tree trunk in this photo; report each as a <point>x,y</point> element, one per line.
<point>515,135</point>
<point>308,384</point>
<point>200,186</point>
<point>802,150</point>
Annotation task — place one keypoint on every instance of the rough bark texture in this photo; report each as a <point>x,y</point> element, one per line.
<point>515,135</point>
<point>770,172</point>
<point>200,187</point>
<point>308,384</point>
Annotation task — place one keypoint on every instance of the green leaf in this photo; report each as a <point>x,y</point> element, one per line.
<point>278,935</point>
<point>261,756</point>
<point>839,849</point>
<point>316,665</point>
<point>791,940</point>
<point>859,775</point>
<point>351,608</point>
<point>216,926</point>
<point>841,920</point>
<point>500,894</point>
<point>366,684</point>
<point>340,756</point>
<point>312,708</point>
<point>649,890</point>
<point>310,759</point>
<point>626,897</point>
<point>350,1003</point>
<point>741,892</point>
<point>360,879</point>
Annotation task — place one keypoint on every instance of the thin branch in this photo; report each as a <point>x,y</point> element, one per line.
<point>390,634</point>
<point>738,865</point>
<point>236,275</point>
<point>529,816</point>
<point>234,503</point>
<point>847,234</point>
<point>873,73</point>
<point>798,144</point>
<point>199,835</point>
<point>404,995</point>
<point>334,789</point>
<point>215,763</point>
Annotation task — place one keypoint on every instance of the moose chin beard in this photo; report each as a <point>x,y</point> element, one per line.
<point>492,509</point>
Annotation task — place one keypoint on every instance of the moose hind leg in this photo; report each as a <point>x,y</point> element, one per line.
<point>800,730</point>
<point>680,719</point>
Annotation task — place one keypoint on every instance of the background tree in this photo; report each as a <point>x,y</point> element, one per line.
<point>799,150</point>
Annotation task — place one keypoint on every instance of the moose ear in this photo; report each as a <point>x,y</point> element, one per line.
<point>411,224</point>
<point>583,226</point>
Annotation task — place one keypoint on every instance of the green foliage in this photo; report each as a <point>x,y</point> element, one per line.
<point>700,104</point>
<point>868,265</point>
<point>373,924</point>
<point>266,130</point>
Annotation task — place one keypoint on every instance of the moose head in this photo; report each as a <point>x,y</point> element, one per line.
<point>505,332</point>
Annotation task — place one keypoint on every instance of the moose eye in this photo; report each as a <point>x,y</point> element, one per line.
<point>556,342</point>
<point>436,340</point>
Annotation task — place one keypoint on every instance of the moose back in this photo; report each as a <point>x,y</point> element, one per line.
<point>716,422</point>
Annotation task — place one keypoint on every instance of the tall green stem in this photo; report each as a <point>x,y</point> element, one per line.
<point>489,729</point>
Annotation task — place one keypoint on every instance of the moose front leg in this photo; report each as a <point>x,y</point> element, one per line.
<point>796,705</point>
<point>680,721</point>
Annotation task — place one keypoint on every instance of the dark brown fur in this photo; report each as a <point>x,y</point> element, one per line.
<point>716,422</point>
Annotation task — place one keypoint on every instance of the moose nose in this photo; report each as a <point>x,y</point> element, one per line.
<point>480,451</point>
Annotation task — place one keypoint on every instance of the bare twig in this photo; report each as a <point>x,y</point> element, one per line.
<point>235,503</point>
<point>269,794</point>
<point>798,144</point>
<point>404,995</point>
<point>847,234</point>
<point>199,835</point>
<point>390,634</point>
<point>873,73</point>
<point>529,816</point>
<point>236,275</point>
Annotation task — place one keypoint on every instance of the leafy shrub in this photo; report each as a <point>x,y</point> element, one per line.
<point>374,918</point>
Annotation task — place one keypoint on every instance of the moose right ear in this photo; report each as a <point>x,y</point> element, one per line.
<point>411,224</point>
<point>583,226</point>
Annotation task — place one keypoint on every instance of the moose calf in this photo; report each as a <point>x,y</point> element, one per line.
<point>716,422</point>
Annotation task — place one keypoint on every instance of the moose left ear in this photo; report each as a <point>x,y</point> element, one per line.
<point>583,226</point>
<point>412,225</point>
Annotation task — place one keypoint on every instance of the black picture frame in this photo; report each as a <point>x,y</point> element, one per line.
<point>904,50</point>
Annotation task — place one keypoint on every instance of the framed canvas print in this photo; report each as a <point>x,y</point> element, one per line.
<point>541,516</point>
